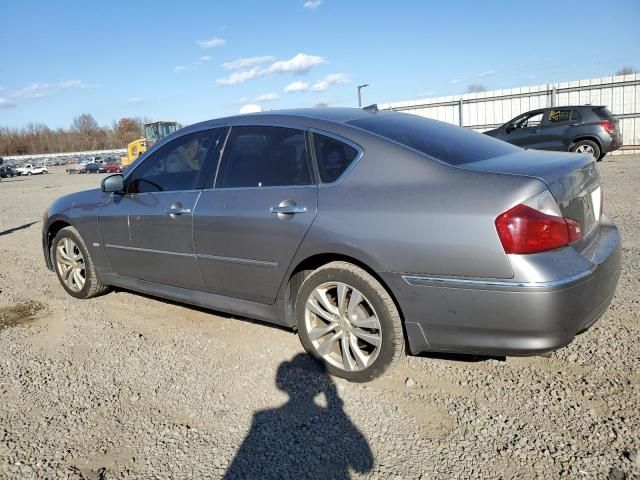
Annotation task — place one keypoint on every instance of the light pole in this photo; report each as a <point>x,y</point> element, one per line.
<point>360,87</point>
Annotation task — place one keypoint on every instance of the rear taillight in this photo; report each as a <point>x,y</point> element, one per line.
<point>607,125</point>
<point>536,226</point>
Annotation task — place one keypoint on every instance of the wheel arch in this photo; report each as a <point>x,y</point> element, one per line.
<point>54,226</point>
<point>591,138</point>
<point>303,267</point>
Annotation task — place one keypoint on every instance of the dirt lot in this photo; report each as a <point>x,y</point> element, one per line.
<point>127,386</point>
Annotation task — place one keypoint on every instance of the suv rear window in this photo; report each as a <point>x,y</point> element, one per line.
<point>439,140</point>
<point>603,112</point>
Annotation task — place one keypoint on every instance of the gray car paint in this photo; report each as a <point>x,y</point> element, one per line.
<point>413,221</point>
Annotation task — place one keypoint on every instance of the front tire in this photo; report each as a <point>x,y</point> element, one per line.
<point>588,147</point>
<point>348,322</point>
<point>74,266</point>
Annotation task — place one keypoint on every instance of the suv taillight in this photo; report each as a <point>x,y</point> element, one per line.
<point>536,226</point>
<point>607,125</point>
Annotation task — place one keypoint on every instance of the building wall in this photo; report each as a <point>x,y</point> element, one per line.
<point>486,110</point>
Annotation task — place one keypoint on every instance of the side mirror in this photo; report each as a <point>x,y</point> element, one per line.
<point>113,183</point>
<point>510,128</point>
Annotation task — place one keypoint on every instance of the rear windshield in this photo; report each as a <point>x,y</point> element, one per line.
<point>442,141</point>
<point>603,112</point>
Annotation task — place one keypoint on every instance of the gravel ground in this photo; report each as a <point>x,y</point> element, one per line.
<point>127,386</point>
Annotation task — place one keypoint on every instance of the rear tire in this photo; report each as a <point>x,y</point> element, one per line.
<point>602,155</point>
<point>74,266</point>
<point>357,338</point>
<point>588,147</point>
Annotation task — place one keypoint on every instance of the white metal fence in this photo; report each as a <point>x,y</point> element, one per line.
<point>486,110</point>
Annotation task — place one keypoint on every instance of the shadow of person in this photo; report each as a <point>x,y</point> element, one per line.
<point>302,439</point>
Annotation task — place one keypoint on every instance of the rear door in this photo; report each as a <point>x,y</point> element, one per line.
<point>247,229</point>
<point>147,233</point>
<point>555,132</point>
<point>525,130</point>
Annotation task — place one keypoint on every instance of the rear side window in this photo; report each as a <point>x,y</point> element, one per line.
<point>442,141</point>
<point>603,112</point>
<point>575,115</point>
<point>558,116</point>
<point>333,157</point>
<point>264,157</point>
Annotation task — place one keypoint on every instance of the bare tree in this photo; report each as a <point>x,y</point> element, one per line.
<point>127,130</point>
<point>476,87</point>
<point>626,70</point>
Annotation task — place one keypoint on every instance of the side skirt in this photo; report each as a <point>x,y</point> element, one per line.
<point>269,313</point>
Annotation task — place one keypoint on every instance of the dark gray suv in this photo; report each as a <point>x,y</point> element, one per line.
<point>360,230</point>
<point>582,129</point>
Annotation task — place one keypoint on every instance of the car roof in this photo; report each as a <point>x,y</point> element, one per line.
<point>328,114</point>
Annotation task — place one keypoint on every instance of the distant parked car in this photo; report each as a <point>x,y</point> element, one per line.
<point>113,168</point>
<point>6,171</point>
<point>582,129</point>
<point>75,168</point>
<point>29,169</point>
<point>94,168</point>
<point>360,230</point>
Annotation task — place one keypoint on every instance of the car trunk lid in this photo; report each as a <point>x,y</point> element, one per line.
<point>573,180</point>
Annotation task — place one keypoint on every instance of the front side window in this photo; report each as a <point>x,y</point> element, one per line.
<point>176,166</point>
<point>262,156</point>
<point>558,116</point>
<point>528,120</point>
<point>333,157</point>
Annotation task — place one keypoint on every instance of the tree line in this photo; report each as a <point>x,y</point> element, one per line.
<point>83,134</point>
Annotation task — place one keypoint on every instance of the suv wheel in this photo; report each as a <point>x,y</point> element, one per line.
<point>587,146</point>
<point>74,265</point>
<point>348,322</point>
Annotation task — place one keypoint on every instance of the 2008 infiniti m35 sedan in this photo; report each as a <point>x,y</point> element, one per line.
<point>364,231</point>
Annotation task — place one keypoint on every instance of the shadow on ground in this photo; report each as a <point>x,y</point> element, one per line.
<point>15,229</point>
<point>310,436</point>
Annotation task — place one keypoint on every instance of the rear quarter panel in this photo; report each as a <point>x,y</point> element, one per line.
<point>398,211</point>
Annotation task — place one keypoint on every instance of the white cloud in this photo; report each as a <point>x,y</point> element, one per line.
<point>329,81</point>
<point>242,63</point>
<point>204,58</point>
<point>267,97</point>
<point>76,84</point>
<point>179,68</point>
<point>453,81</point>
<point>135,100</point>
<point>214,42</point>
<point>6,104</point>
<point>486,74</point>
<point>239,77</point>
<point>319,86</point>
<point>35,90</point>
<point>296,87</point>
<point>312,4</point>
<point>299,64</point>
<point>251,108</point>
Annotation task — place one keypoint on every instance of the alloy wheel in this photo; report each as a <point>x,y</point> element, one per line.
<point>343,326</point>
<point>586,149</point>
<point>70,264</point>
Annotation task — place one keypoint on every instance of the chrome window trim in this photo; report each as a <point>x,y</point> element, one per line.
<point>148,250</point>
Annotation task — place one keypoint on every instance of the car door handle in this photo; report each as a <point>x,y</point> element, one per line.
<point>534,131</point>
<point>288,209</point>
<point>178,211</point>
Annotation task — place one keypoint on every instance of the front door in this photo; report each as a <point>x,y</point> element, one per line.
<point>525,130</point>
<point>147,232</point>
<point>249,227</point>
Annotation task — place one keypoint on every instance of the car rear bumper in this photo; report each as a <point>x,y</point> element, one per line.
<point>513,317</point>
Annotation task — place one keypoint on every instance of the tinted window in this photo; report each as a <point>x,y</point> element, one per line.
<point>575,115</point>
<point>528,120</point>
<point>176,166</point>
<point>333,157</point>
<point>603,112</point>
<point>445,142</point>
<point>557,116</point>
<point>264,157</point>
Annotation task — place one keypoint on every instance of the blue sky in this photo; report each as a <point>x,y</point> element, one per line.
<point>195,60</point>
